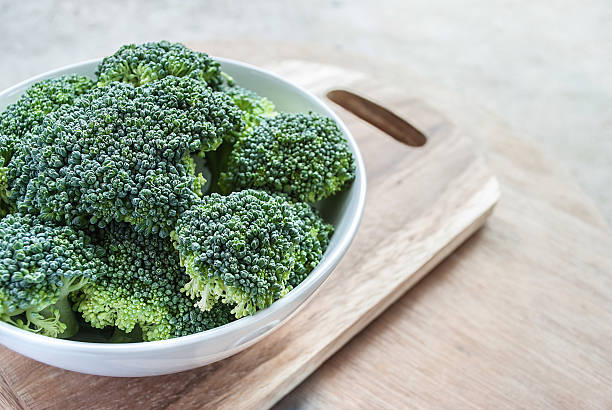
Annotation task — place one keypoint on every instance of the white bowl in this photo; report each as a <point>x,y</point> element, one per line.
<point>169,356</point>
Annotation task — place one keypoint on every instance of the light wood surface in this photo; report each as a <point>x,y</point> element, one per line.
<point>519,316</point>
<point>422,203</point>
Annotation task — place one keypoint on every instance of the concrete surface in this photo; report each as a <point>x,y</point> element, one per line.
<point>543,66</point>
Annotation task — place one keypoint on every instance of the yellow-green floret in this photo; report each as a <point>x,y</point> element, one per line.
<point>254,107</point>
<point>139,284</point>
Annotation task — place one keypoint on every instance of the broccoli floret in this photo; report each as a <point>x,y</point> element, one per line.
<point>244,247</point>
<point>121,153</point>
<point>144,63</point>
<point>140,284</point>
<point>254,107</point>
<point>40,99</point>
<point>254,110</point>
<point>314,241</point>
<point>21,117</point>
<point>42,264</point>
<point>302,155</point>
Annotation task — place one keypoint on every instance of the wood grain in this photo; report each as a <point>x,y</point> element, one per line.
<point>422,203</point>
<point>519,316</point>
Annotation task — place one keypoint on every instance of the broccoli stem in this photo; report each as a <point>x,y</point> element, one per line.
<point>64,307</point>
<point>66,316</point>
<point>216,161</point>
<point>120,336</point>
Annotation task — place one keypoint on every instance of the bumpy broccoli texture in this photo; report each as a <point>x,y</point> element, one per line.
<point>42,264</point>
<point>302,155</point>
<point>107,220</point>
<point>39,100</point>
<point>139,284</point>
<point>244,247</point>
<point>254,107</point>
<point>144,63</point>
<point>20,118</point>
<point>121,153</point>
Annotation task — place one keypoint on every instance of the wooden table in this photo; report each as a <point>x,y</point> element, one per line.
<point>520,315</point>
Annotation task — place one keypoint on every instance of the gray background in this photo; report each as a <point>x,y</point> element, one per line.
<point>544,66</point>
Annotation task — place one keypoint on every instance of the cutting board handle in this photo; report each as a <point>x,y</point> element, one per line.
<point>378,116</point>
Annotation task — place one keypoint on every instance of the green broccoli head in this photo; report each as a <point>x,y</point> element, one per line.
<point>314,240</point>
<point>140,284</point>
<point>254,107</point>
<point>302,155</point>
<point>120,153</point>
<point>244,247</point>
<point>21,117</point>
<point>144,63</point>
<point>41,265</point>
<point>39,100</point>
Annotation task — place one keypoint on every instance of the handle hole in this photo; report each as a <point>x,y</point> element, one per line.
<point>379,117</point>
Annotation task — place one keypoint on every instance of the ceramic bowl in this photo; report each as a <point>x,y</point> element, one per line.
<point>169,356</point>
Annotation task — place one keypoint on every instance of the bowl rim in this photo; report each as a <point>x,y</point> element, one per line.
<point>331,257</point>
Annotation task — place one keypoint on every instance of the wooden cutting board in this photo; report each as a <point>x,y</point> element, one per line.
<point>520,316</point>
<point>423,202</point>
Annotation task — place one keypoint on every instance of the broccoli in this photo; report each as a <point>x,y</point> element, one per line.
<point>41,265</point>
<point>122,153</point>
<point>21,117</point>
<point>254,109</point>
<point>158,201</point>
<point>314,241</point>
<point>242,248</point>
<point>139,284</point>
<point>253,106</point>
<point>144,63</point>
<point>39,100</point>
<point>302,155</point>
